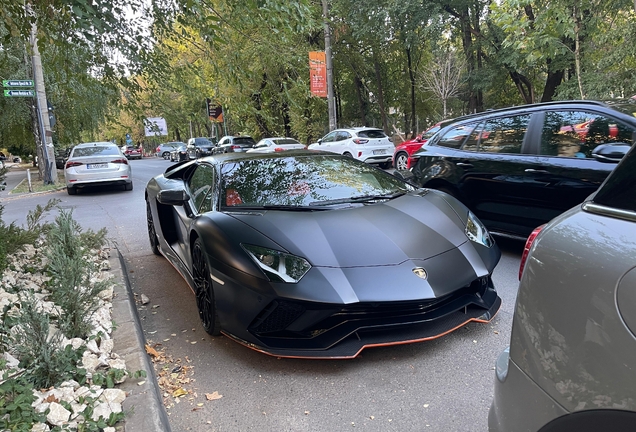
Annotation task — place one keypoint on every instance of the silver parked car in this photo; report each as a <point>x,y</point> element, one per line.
<point>571,364</point>
<point>97,163</point>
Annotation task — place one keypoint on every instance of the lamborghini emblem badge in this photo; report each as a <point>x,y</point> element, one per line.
<point>420,272</point>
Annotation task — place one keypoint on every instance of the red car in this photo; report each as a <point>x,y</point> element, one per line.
<point>402,154</point>
<point>132,152</point>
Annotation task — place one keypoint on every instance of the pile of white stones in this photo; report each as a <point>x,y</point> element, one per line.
<point>98,357</point>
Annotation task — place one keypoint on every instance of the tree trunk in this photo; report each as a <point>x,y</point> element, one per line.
<point>553,80</point>
<point>524,86</point>
<point>361,99</point>
<point>378,79</point>
<point>409,62</point>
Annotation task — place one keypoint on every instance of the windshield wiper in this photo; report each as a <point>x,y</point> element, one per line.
<point>358,199</point>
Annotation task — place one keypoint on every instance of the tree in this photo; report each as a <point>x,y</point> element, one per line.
<point>444,77</point>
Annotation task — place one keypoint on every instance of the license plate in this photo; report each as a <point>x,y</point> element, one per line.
<point>378,151</point>
<point>96,166</point>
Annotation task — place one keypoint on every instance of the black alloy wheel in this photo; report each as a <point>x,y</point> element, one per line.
<point>401,161</point>
<point>347,154</point>
<point>152,234</point>
<point>204,291</point>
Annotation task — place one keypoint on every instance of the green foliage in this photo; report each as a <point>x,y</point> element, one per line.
<point>38,347</point>
<point>71,272</point>
<point>16,397</point>
<point>14,237</point>
<point>108,380</point>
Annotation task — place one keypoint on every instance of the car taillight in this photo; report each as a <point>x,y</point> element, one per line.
<point>120,161</point>
<point>360,141</point>
<point>279,149</point>
<point>72,164</point>
<point>158,149</point>
<point>526,248</point>
<point>234,147</point>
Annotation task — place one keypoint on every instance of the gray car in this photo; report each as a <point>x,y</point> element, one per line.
<point>571,361</point>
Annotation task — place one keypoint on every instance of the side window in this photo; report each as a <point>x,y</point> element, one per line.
<point>330,137</point>
<point>200,185</point>
<point>342,135</point>
<point>473,140</point>
<point>503,135</point>
<point>455,137</point>
<point>577,133</point>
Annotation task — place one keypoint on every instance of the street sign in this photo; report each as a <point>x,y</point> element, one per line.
<point>19,93</point>
<point>17,83</point>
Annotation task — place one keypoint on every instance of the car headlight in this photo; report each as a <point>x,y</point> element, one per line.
<point>278,266</point>
<point>477,232</point>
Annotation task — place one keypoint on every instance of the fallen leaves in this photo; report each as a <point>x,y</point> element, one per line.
<point>213,396</point>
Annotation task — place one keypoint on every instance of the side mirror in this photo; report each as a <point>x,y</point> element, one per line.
<point>173,197</point>
<point>610,152</point>
<point>320,141</point>
<point>406,176</point>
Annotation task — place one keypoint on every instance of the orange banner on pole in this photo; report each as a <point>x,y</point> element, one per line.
<point>318,73</point>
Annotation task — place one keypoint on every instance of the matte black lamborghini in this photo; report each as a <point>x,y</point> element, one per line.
<point>311,254</point>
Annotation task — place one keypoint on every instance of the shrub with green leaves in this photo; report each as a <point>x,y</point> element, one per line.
<point>13,237</point>
<point>72,283</point>
<point>39,349</point>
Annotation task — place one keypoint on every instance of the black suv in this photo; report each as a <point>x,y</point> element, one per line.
<point>199,147</point>
<point>517,168</point>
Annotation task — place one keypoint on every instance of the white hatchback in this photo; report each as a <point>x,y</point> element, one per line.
<point>97,163</point>
<point>366,144</point>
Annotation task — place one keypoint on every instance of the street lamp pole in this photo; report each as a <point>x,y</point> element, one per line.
<point>331,102</point>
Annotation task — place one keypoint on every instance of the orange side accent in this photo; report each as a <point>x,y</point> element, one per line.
<point>261,350</point>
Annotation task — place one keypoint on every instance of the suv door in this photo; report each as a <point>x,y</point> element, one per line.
<point>495,166</point>
<point>342,143</point>
<point>569,171</point>
<point>327,142</point>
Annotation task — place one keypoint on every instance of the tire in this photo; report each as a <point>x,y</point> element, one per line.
<point>71,190</point>
<point>204,290</point>
<point>152,233</point>
<point>347,154</point>
<point>128,186</point>
<point>401,161</point>
<point>166,155</point>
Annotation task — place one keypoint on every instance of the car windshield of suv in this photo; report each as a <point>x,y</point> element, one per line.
<point>202,142</point>
<point>304,181</point>
<point>372,133</point>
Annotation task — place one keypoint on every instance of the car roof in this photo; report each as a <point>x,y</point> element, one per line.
<point>91,144</point>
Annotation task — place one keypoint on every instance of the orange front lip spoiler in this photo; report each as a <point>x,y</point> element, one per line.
<point>371,345</point>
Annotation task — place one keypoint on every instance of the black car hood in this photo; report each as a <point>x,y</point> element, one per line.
<point>411,227</point>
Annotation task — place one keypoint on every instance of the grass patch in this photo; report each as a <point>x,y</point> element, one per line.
<point>38,185</point>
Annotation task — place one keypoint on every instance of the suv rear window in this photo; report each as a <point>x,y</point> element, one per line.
<point>244,140</point>
<point>372,133</point>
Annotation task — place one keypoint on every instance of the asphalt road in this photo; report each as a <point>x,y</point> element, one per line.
<point>441,385</point>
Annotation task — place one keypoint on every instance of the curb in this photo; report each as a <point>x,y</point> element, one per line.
<point>143,405</point>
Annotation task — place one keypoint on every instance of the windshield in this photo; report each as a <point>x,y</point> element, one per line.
<point>309,180</point>
<point>626,107</point>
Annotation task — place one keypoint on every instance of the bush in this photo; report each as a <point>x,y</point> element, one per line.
<point>72,284</point>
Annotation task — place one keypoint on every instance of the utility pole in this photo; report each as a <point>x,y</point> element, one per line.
<point>331,102</point>
<point>48,152</point>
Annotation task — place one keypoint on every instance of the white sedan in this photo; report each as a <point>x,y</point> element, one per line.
<point>271,145</point>
<point>97,163</point>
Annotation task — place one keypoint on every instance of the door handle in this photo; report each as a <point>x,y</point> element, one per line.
<point>537,171</point>
<point>464,165</point>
